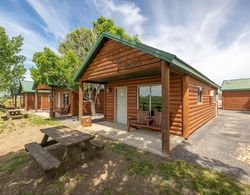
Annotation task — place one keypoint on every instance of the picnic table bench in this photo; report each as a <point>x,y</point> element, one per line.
<point>71,140</point>
<point>43,157</point>
<point>14,114</point>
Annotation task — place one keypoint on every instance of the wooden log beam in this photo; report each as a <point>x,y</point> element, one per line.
<point>15,100</point>
<point>104,101</point>
<point>26,102</point>
<point>20,103</point>
<point>165,129</point>
<point>185,106</point>
<point>51,112</point>
<point>36,101</point>
<point>80,100</point>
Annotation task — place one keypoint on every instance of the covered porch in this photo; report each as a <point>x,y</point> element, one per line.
<point>143,139</point>
<point>137,79</point>
<point>149,91</point>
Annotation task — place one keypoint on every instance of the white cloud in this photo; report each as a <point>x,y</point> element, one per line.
<point>196,41</point>
<point>54,18</point>
<point>127,14</point>
<point>33,41</point>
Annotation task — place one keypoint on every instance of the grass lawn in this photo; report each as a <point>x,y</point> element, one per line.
<point>119,169</point>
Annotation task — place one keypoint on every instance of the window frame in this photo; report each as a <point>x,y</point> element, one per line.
<point>138,94</point>
<point>198,94</point>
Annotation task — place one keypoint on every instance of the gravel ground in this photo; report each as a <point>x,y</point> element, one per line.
<point>219,143</point>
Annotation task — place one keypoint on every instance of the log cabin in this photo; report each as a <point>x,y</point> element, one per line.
<point>33,99</point>
<point>139,77</point>
<point>65,97</point>
<point>236,94</point>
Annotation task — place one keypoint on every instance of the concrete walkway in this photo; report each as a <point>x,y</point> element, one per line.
<point>142,139</point>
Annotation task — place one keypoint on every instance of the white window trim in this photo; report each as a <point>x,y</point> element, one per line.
<point>200,87</point>
<point>146,85</point>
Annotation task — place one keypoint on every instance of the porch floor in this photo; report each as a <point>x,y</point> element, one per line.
<point>143,139</point>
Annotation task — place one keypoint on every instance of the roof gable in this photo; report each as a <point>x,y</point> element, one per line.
<point>172,59</point>
<point>236,84</point>
<point>26,86</point>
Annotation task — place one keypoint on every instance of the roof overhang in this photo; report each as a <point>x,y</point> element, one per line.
<point>173,60</point>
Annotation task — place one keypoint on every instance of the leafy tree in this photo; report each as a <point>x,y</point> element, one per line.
<point>12,69</point>
<point>52,69</point>
<point>47,70</point>
<point>79,40</point>
<point>103,24</point>
<point>91,92</point>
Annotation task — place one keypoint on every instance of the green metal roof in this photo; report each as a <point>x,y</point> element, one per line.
<point>27,87</point>
<point>172,59</point>
<point>236,84</point>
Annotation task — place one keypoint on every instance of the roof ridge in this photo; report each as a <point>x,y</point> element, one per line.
<point>236,79</point>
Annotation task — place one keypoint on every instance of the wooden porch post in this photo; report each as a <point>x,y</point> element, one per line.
<point>104,101</point>
<point>41,101</point>
<point>36,101</point>
<point>20,103</point>
<point>185,106</point>
<point>72,103</point>
<point>51,112</point>
<point>26,102</point>
<point>15,100</point>
<point>80,100</point>
<point>165,77</point>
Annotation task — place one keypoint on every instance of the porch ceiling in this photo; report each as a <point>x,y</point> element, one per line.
<point>132,75</point>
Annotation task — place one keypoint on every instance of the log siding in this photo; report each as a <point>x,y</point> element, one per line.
<point>236,100</point>
<point>199,113</point>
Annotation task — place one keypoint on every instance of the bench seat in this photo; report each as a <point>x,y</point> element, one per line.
<point>16,116</point>
<point>46,160</point>
<point>98,145</point>
<point>5,117</point>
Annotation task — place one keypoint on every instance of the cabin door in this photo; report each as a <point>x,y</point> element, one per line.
<point>121,105</point>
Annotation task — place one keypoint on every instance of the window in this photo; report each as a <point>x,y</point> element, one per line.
<point>199,94</point>
<point>150,98</point>
<point>65,99</point>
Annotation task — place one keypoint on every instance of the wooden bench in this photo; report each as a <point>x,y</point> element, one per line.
<point>43,157</point>
<point>16,116</point>
<point>97,144</point>
<point>144,121</point>
<point>4,117</point>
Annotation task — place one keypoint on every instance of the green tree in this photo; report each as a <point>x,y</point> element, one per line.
<point>79,40</point>
<point>103,24</point>
<point>52,69</point>
<point>12,69</point>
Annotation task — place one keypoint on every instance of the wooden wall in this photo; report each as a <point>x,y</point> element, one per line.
<point>31,101</point>
<point>199,113</point>
<point>236,100</point>
<point>131,84</point>
<point>116,59</point>
<point>45,103</point>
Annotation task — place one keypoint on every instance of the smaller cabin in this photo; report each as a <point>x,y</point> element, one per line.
<point>28,96</point>
<point>236,94</point>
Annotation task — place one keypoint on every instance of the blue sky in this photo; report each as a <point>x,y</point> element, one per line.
<point>212,36</point>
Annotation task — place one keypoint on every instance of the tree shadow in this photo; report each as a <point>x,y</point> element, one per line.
<point>181,152</point>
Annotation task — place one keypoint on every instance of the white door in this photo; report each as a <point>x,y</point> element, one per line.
<point>121,105</point>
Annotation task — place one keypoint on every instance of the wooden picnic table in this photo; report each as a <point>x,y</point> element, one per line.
<point>76,145</point>
<point>69,138</point>
<point>14,112</point>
